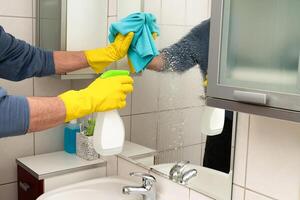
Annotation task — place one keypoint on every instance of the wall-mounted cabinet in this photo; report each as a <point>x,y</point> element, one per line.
<point>72,25</point>
<point>254,58</point>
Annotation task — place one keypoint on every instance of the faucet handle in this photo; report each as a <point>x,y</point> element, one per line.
<point>182,163</point>
<point>148,179</point>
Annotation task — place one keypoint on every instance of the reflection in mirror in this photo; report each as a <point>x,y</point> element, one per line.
<point>170,130</point>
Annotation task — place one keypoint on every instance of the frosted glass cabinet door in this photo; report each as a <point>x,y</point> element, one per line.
<point>259,50</point>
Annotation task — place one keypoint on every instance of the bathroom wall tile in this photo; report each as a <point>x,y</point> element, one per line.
<point>50,86</point>
<point>173,13</point>
<point>202,153</point>
<point>209,8</point>
<point>170,156</point>
<point>127,124</point>
<point>238,193</point>
<point>144,129</point>
<point>10,149</point>
<point>254,196</point>
<point>171,34</point>
<point>273,158</point>
<point>21,28</point>
<point>154,7</point>
<point>193,154</point>
<point>111,166</point>
<point>125,8</point>
<point>198,196</point>
<point>127,110</point>
<point>125,167</point>
<point>241,149</point>
<point>146,91</point>
<point>16,8</point>
<point>80,84</point>
<point>9,191</point>
<point>167,189</point>
<point>178,128</point>
<point>196,11</point>
<point>50,140</point>
<point>22,88</point>
<point>112,7</point>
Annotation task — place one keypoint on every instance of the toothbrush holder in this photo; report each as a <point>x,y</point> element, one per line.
<point>85,148</point>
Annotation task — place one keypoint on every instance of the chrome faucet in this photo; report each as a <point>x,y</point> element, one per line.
<point>147,190</point>
<point>187,176</point>
<point>177,170</point>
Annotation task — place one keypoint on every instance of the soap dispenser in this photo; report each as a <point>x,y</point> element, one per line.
<point>109,133</point>
<point>70,131</point>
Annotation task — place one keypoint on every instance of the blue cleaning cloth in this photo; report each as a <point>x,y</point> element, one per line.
<point>142,49</point>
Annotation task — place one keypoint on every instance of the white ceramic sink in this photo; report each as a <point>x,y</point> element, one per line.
<point>208,181</point>
<point>96,189</point>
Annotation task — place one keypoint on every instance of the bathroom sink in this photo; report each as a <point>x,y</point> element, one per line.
<point>211,182</point>
<point>96,189</point>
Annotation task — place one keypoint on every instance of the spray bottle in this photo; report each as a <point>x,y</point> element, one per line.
<point>109,133</point>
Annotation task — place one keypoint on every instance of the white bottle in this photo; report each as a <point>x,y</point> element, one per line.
<point>109,133</point>
<point>212,121</point>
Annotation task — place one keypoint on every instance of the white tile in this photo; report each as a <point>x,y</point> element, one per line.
<point>125,167</point>
<point>197,196</point>
<point>154,7</point>
<point>16,8</point>
<point>50,86</point>
<point>10,149</point>
<point>202,153</point>
<point>240,159</point>
<point>167,189</point>
<point>22,88</point>
<point>144,129</point>
<point>125,8</point>
<point>9,191</point>
<point>254,196</point>
<point>173,12</point>
<point>127,124</point>
<point>196,11</point>
<point>273,158</point>
<point>238,193</point>
<point>21,28</point>
<point>112,7</point>
<point>145,94</point>
<point>50,140</point>
<point>209,8</point>
<point>193,154</point>
<point>171,34</point>
<point>177,128</point>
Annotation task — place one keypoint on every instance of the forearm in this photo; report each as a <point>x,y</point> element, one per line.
<point>45,112</point>
<point>67,61</point>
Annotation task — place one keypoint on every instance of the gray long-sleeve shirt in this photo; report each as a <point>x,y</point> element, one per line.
<point>18,61</point>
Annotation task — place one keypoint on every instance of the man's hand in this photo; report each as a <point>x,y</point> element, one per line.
<point>100,58</point>
<point>102,95</point>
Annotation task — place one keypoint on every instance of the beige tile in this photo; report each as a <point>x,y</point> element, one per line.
<point>238,193</point>
<point>191,128</point>
<point>202,153</point>
<point>240,159</point>
<point>173,13</point>
<point>9,191</point>
<point>127,110</point>
<point>112,165</point>
<point>167,189</point>
<point>22,88</point>
<point>193,154</point>
<point>170,156</point>
<point>50,140</point>
<point>21,28</point>
<point>145,94</point>
<point>80,84</point>
<point>125,167</point>
<point>196,11</point>
<point>273,158</point>
<point>16,8</point>
<point>127,124</point>
<point>10,149</point>
<point>144,129</point>
<point>112,7</point>
<point>254,196</point>
<point>170,34</point>
<point>125,8</point>
<point>50,86</point>
<point>198,196</point>
<point>154,7</point>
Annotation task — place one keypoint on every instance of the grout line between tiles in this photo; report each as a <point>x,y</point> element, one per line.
<point>247,189</point>
<point>246,167</point>
<point>3,184</point>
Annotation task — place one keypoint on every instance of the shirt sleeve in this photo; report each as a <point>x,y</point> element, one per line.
<point>191,50</point>
<point>14,115</point>
<point>19,60</point>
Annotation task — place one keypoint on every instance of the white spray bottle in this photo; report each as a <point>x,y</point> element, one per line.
<point>109,133</point>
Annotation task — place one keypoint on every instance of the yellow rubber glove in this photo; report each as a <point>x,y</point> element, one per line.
<point>101,95</point>
<point>100,58</point>
<point>205,82</point>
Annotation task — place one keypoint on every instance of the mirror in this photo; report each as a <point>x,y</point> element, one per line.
<point>170,130</point>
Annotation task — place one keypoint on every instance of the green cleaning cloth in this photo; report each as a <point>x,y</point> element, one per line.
<point>142,49</point>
